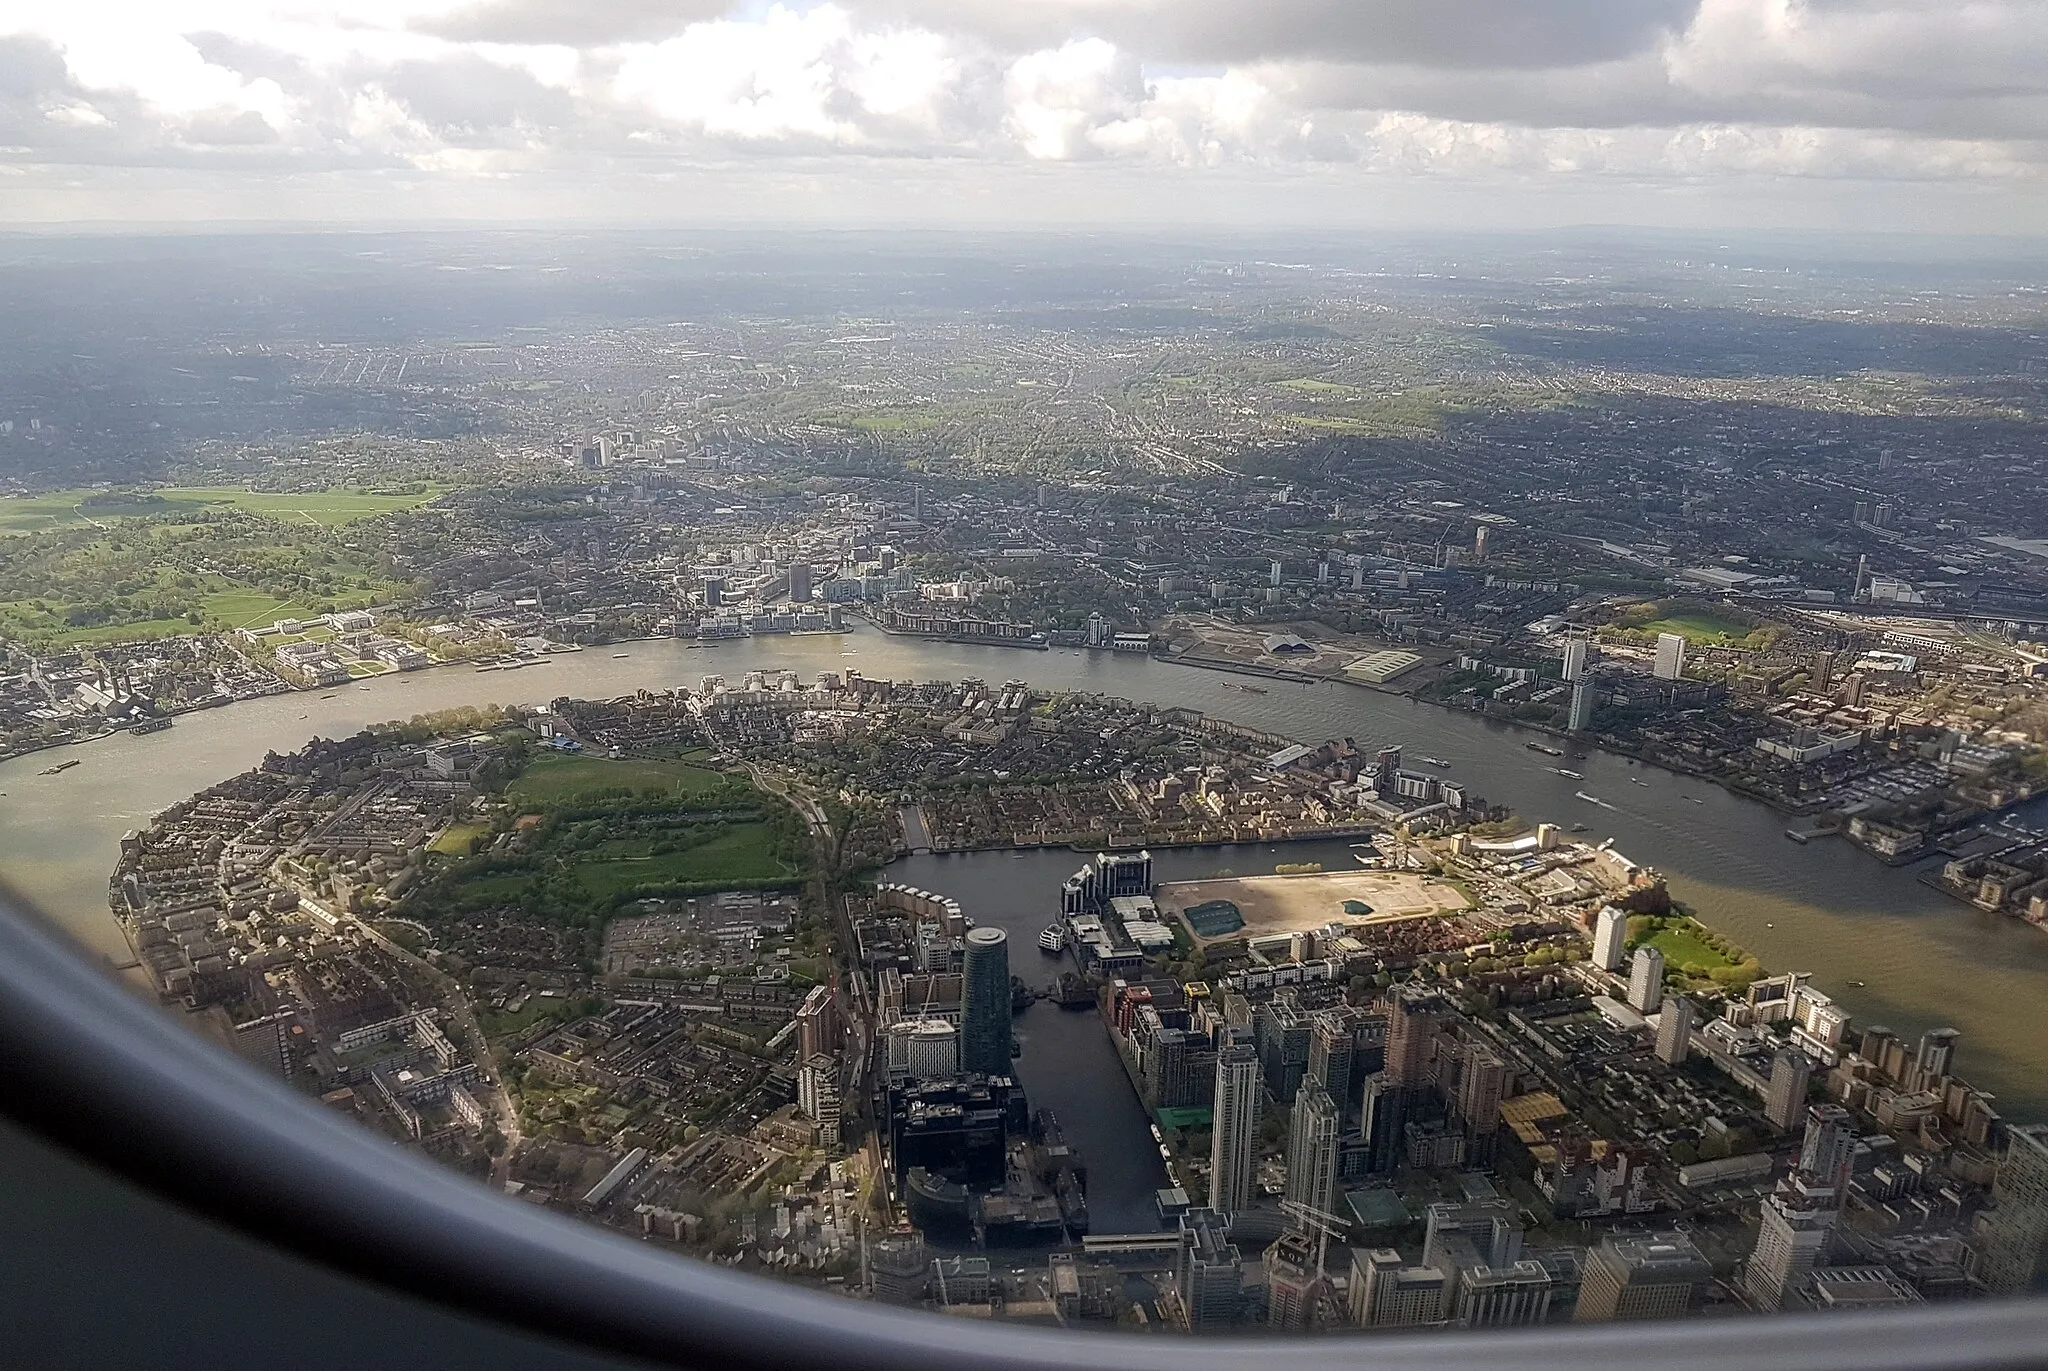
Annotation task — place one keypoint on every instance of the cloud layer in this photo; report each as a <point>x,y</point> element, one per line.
<point>1669,92</point>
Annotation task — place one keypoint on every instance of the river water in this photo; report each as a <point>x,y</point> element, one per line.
<point>1923,959</point>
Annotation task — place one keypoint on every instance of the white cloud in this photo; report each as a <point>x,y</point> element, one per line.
<point>1503,92</point>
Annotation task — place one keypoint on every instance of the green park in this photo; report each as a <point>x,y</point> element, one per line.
<point>579,836</point>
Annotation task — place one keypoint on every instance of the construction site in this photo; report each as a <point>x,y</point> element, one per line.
<point>1275,906</point>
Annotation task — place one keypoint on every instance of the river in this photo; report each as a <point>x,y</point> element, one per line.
<point>1923,959</point>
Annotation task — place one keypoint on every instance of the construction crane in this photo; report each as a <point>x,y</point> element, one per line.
<point>1325,1224</point>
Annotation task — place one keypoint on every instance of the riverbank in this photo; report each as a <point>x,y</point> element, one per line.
<point>1924,960</point>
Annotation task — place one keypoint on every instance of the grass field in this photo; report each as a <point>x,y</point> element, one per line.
<point>70,508</point>
<point>1309,386</point>
<point>742,853</point>
<point>253,609</point>
<point>557,777</point>
<point>456,839</point>
<point>35,513</point>
<point>505,885</point>
<point>139,631</point>
<point>1681,948</point>
<point>1697,626</point>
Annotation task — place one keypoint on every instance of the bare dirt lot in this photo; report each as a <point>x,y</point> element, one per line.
<point>1274,905</point>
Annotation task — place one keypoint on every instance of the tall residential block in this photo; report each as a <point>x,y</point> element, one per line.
<point>1331,1052</point>
<point>1234,1137</point>
<point>2012,1256</point>
<point>1312,1148</point>
<point>1670,664</point>
<point>1646,981</point>
<point>1293,1280</point>
<point>985,1003</point>
<point>1785,1103</point>
<point>1610,938</point>
<point>1674,1031</point>
<point>1792,1239</point>
<point>1827,1154</point>
<point>1413,1025</point>
<point>1579,716</point>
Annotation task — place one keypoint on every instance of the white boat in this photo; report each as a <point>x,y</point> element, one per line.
<point>1566,771</point>
<point>1436,761</point>
<point>1589,799</point>
<point>1053,939</point>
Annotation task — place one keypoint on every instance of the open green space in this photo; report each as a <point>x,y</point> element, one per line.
<point>38,513</point>
<point>1703,624</point>
<point>117,578</point>
<point>743,854</point>
<point>609,833</point>
<point>457,840</point>
<point>556,778</point>
<point>1310,386</point>
<point>1693,952</point>
<point>78,508</point>
<point>252,608</point>
<point>1698,626</point>
<point>1682,947</point>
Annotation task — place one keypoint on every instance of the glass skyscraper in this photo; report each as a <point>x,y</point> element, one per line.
<point>985,1003</point>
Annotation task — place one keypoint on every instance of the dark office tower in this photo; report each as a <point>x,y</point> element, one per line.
<point>714,591</point>
<point>1936,1056</point>
<point>1417,1018</point>
<point>985,1003</point>
<point>1282,1031</point>
<point>1820,672</point>
<point>800,583</point>
<point>1828,1153</point>
<point>1872,1044</point>
<point>1383,1115</point>
<point>1483,1083</point>
<point>2012,1253</point>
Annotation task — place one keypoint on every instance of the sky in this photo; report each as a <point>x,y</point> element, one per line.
<point>1914,115</point>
